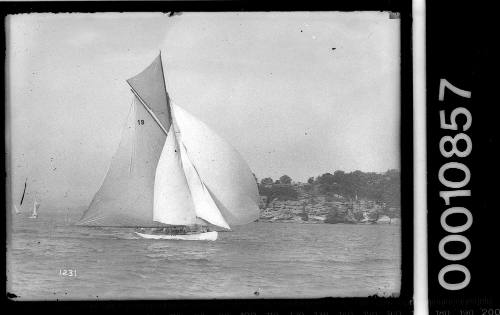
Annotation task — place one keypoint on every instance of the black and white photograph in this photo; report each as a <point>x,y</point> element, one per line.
<point>203,155</point>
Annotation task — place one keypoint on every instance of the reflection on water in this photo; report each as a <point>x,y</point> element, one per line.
<point>279,260</point>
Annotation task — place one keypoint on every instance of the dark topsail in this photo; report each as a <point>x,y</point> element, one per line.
<point>125,198</point>
<point>150,86</point>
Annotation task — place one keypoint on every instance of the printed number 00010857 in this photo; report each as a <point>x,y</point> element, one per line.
<point>452,183</point>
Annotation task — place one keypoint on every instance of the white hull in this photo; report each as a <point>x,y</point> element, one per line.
<point>207,236</point>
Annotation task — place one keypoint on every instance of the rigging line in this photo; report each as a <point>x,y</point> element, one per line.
<point>149,110</point>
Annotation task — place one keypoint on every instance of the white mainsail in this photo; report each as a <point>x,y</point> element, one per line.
<point>125,197</point>
<point>164,175</point>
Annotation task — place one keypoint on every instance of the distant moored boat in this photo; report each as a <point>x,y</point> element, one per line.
<point>16,208</point>
<point>36,205</point>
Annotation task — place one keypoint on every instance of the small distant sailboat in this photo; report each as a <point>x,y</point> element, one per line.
<point>172,177</point>
<point>16,208</point>
<point>36,205</point>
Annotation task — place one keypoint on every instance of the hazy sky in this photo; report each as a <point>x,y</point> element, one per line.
<point>269,83</point>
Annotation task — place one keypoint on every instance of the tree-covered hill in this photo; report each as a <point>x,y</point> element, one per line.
<point>382,188</point>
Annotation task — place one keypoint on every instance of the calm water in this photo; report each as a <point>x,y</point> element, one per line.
<point>274,259</point>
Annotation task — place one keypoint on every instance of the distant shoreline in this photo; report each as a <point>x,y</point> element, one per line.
<point>397,223</point>
<point>349,198</point>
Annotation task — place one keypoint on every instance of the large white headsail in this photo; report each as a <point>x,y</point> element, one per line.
<point>221,168</point>
<point>172,198</point>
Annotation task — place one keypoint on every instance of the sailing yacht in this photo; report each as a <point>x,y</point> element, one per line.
<point>172,176</point>
<point>36,205</point>
<point>16,208</point>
